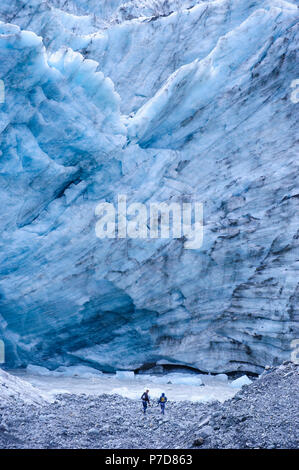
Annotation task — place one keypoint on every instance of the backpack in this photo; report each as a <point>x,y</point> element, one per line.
<point>162,399</point>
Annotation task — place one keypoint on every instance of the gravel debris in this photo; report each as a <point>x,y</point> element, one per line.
<point>263,414</point>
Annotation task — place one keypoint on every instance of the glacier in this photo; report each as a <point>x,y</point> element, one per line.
<point>162,101</point>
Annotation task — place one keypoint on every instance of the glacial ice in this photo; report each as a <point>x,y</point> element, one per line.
<point>179,379</point>
<point>161,101</point>
<point>238,383</point>
<point>62,371</point>
<point>125,375</point>
<point>221,377</point>
<point>38,370</point>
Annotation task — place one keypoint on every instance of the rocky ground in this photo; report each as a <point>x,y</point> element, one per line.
<point>262,415</point>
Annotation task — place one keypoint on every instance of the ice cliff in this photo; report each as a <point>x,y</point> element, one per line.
<point>161,101</point>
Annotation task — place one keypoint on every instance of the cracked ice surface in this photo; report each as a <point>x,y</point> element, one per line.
<point>160,101</point>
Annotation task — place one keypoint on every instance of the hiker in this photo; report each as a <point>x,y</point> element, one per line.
<point>162,401</point>
<point>145,400</point>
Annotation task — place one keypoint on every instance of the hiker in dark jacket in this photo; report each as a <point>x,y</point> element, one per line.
<point>145,400</point>
<point>162,401</point>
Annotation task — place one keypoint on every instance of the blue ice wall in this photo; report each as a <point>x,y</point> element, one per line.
<point>161,101</point>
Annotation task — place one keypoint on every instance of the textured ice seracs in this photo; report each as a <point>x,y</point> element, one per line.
<point>178,110</point>
<point>60,122</point>
<point>176,40</point>
<point>177,31</point>
<point>119,10</point>
<point>58,27</point>
<point>48,106</point>
<point>215,124</point>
